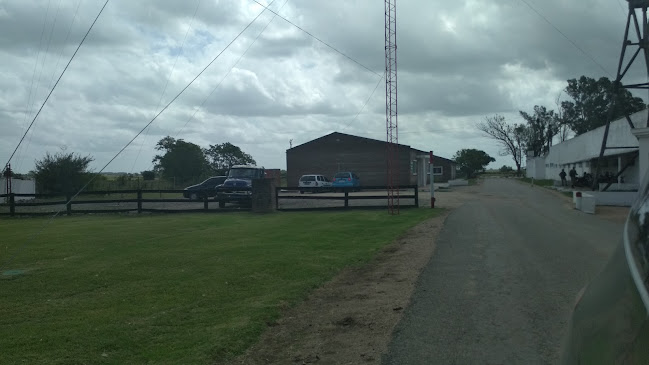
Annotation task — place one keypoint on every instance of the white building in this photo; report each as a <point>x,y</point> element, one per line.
<point>18,186</point>
<point>583,151</point>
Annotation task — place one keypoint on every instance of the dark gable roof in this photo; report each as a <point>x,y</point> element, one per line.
<point>369,140</point>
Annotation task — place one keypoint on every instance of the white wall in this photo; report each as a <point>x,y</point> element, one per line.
<point>581,149</point>
<point>535,168</point>
<point>19,187</point>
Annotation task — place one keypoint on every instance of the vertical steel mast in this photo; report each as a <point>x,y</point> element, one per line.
<point>641,29</point>
<point>391,122</point>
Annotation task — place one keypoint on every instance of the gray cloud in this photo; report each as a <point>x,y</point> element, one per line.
<point>458,62</point>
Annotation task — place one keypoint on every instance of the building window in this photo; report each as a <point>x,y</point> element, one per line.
<point>437,170</point>
<point>413,167</point>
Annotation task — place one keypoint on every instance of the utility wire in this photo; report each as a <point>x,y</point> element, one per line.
<point>319,40</point>
<point>366,102</point>
<point>57,82</point>
<point>229,71</point>
<point>67,36</point>
<point>58,61</point>
<point>164,90</point>
<point>36,234</point>
<point>566,37</point>
<point>38,56</point>
<point>622,8</point>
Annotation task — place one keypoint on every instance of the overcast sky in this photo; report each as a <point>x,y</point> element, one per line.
<point>458,62</point>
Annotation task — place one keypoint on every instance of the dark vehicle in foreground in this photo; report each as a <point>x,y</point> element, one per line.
<point>237,188</point>
<point>199,191</point>
<point>610,322</point>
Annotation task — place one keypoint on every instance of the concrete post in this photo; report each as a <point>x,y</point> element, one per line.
<point>422,174</point>
<point>642,134</point>
<point>263,195</point>
<point>619,168</point>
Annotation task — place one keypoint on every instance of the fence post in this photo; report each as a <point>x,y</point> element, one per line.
<point>417,196</point>
<point>277,191</point>
<point>68,204</point>
<point>205,200</point>
<point>12,204</point>
<point>139,201</point>
<point>346,198</point>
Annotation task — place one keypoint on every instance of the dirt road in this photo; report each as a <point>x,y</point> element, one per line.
<point>500,286</point>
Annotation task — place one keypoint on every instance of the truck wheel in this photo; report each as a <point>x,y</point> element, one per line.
<point>193,196</point>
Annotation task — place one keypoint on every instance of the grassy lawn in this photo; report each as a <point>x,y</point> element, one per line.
<point>538,182</point>
<point>567,193</point>
<point>170,289</point>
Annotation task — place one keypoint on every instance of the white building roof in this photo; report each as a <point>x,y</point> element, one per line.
<point>587,146</point>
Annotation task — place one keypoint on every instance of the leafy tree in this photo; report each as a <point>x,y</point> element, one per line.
<point>592,102</point>
<point>148,175</point>
<point>541,128</point>
<point>180,160</point>
<point>62,172</point>
<point>511,137</point>
<point>506,169</point>
<point>472,161</point>
<point>124,179</point>
<point>225,155</point>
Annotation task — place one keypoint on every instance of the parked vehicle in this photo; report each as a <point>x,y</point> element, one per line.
<point>238,186</point>
<point>198,191</point>
<point>313,183</point>
<point>610,320</point>
<point>346,180</point>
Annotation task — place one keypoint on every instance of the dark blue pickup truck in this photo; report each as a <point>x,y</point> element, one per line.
<point>237,188</point>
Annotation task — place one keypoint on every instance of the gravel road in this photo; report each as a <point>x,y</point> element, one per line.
<point>502,282</point>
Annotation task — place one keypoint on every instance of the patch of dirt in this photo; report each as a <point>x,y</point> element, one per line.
<point>351,318</point>
<point>615,214</point>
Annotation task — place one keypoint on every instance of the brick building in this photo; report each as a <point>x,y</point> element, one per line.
<point>366,157</point>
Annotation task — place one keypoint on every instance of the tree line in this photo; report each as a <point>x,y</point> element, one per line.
<point>182,161</point>
<point>594,102</point>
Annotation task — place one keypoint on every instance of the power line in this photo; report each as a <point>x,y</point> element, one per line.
<point>364,105</point>
<point>58,61</point>
<point>57,82</point>
<point>229,71</point>
<point>38,56</point>
<point>36,234</point>
<point>566,37</point>
<point>621,8</point>
<point>164,90</point>
<point>169,104</point>
<point>320,40</point>
<point>67,36</point>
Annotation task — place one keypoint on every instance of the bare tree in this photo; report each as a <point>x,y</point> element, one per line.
<point>511,137</point>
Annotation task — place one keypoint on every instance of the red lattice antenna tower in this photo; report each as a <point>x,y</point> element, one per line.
<point>391,121</point>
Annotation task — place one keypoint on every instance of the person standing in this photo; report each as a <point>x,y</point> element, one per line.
<point>562,175</point>
<point>573,176</point>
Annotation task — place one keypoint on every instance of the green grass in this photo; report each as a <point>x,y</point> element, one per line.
<point>170,289</point>
<point>538,182</point>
